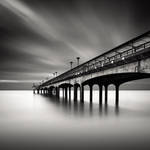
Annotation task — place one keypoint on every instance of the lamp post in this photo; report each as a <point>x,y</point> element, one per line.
<point>78,58</point>
<point>71,64</point>
<point>54,74</point>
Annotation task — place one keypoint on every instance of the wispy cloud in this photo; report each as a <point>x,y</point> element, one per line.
<point>19,81</point>
<point>40,37</point>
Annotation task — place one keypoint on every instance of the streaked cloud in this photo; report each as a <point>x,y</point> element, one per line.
<point>19,81</point>
<point>41,37</point>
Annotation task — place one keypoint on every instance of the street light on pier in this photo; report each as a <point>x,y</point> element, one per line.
<point>78,58</point>
<point>56,74</point>
<point>71,64</point>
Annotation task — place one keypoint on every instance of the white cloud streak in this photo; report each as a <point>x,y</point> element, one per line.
<point>19,81</point>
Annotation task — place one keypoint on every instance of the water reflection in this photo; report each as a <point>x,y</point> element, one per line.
<point>44,122</point>
<point>78,108</point>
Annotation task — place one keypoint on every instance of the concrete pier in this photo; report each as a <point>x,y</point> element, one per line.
<point>100,94</point>
<point>106,94</point>
<point>91,93</point>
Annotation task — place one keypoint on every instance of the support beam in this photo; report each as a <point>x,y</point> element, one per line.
<point>91,93</point>
<point>57,92</point>
<point>37,91</point>
<point>106,94</point>
<point>69,92</point>
<point>82,93</point>
<point>66,93</point>
<point>50,91</point>
<point>117,95</point>
<point>75,92</point>
<point>100,94</point>
<point>63,91</point>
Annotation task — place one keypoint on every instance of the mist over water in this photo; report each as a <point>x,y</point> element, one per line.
<point>34,121</point>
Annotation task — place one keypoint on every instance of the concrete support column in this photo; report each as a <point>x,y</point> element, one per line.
<point>63,92</point>
<point>106,94</point>
<point>82,93</point>
<point>37,91</point>
<point>91,93</point>
<point>69,92</point>
<point>117,95</point>
<point>66,93</point>
<point>75,93</point>
<point>50,92</point>
<point>57,92</point>
<point>100,94</point>
<point>45,91</point>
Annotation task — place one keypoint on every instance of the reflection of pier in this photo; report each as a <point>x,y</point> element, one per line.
<point>127,62</point>
<point>77,108</point>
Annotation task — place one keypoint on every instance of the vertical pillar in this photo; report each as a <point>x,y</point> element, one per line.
<point>75,93</point>
<point>106,94</point>
<point>82,93</point>
<point>117,95</point>
<point>57,92</point>
<point>48,91</point>
<point>139,66</point>
<point>63,92</point>
<point>37,91</point>
<point>100,94</point>
<point>45,91</point>
<point>66,94</point>
<point>91,93</point>
<point>69,92</point>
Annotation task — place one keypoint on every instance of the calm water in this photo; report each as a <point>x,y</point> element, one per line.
<point>39,122</point>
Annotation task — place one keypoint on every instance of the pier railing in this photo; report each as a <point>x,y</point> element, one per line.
<point>111,58</point>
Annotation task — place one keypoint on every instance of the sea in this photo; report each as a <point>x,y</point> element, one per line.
<point>39,122</point>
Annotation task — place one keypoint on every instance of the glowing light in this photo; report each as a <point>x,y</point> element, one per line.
<point>123,58</point>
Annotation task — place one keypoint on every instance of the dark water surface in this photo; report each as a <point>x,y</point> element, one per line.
<point>29,121</point>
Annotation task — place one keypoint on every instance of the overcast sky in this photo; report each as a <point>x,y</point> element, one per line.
<point>39,37</point>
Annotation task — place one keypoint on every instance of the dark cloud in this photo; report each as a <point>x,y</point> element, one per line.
<point>40,37</point>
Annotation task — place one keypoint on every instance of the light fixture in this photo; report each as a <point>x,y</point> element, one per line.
<point>123,58</point>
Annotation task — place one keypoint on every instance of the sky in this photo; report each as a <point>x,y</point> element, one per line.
<point>40,37</point>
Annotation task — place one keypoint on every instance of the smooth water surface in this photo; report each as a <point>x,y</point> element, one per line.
<point>31,121</point>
